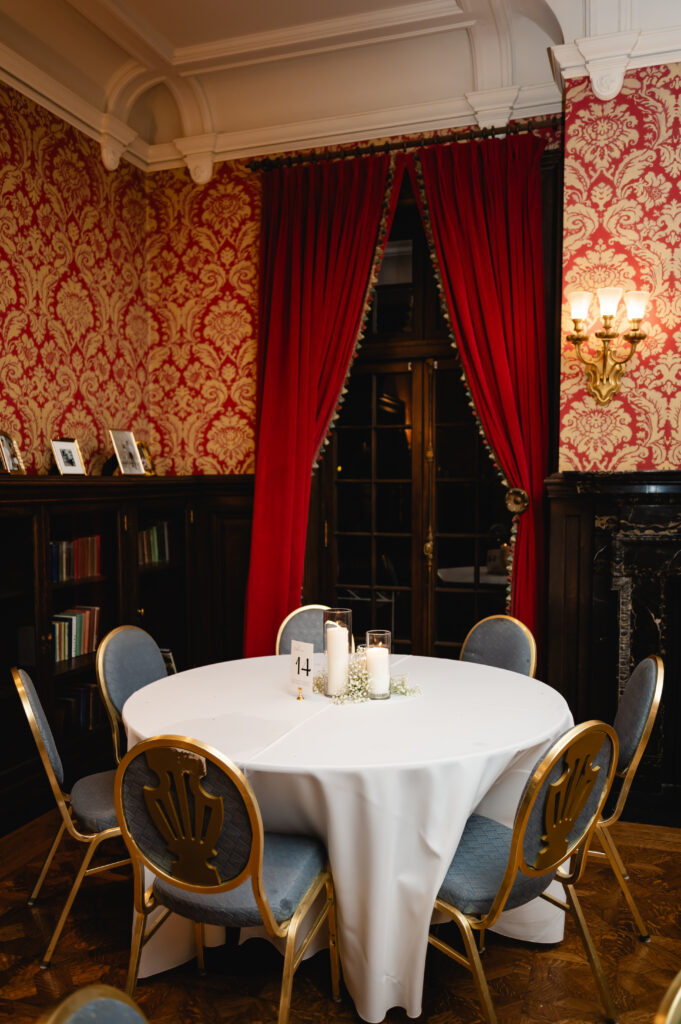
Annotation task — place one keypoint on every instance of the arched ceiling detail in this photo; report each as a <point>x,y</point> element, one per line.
<point>248,79</point>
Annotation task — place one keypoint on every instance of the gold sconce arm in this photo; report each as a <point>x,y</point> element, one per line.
<point>605,368</point>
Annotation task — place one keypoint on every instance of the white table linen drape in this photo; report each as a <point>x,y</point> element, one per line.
<point>387,785</point>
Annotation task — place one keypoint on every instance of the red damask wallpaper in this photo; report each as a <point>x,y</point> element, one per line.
<point>125,301</point>
<point>622,226</point>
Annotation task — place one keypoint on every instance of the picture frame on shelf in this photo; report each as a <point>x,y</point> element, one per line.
<point>145,456</point>
<point>68,457</point>
<point>169,660</point>
<point>10,456</point>
<point>127,452</point>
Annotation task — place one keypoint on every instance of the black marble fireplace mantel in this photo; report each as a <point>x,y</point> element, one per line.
<point>614,596</point>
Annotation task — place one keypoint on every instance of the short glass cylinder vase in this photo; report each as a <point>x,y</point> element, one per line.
<point>378,663</point>
<point>337,645</point>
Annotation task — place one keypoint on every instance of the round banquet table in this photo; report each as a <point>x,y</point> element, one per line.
<point>387,785</point>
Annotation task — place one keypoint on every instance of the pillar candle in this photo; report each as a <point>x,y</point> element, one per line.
<point>378,670</point>
<point>337,652</point>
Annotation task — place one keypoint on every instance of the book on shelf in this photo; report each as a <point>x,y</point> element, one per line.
<point>153,544</point>
<point>75,631</point>
<point>75,559</point>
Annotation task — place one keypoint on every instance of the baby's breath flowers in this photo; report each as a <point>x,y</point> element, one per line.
<point>357,689</point>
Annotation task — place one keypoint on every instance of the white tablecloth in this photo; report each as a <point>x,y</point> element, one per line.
<point>387,785</point>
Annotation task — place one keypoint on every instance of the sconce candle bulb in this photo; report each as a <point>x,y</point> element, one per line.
<point>605,368</point>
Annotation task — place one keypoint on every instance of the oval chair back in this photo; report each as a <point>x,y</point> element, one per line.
<point>502,642</point>
<point>95,1004</point>
<point>305,623</point>
<point>128,658</point>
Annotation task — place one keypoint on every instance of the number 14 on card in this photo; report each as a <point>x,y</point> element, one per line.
<point>302,665</point>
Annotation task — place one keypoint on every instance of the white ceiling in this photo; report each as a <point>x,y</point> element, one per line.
<point>162,82</point>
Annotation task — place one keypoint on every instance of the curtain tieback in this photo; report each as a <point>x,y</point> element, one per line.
<point>517,500</point>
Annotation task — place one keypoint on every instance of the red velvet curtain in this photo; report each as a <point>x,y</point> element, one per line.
<point>320,232</point>
<point>484,206</point>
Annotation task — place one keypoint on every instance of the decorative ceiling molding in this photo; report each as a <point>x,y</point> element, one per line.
<point>323,36</point>
<point>606,59</point>
<point>436,64</point>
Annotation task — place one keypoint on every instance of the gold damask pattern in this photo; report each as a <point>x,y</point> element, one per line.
<point>622,226</point>
<point>124,301</point>
<point>201,289</point>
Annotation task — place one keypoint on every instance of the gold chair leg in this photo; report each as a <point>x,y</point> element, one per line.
<point>592,955</point>
<point>82,871</point>
<point>198,936</point>
<point>287,977</point>
<point>46,866</point>
<point>333,943</point>
<point>136,944</point>
<point>620,872</point>
<point>471,960</point>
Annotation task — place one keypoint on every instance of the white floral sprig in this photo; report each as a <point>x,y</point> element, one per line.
<point>357,690</point>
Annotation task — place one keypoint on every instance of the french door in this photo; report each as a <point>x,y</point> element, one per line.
<point>415,529</point>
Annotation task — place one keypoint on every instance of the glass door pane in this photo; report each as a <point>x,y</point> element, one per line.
<point>471,523</point>
<point>373,503</point>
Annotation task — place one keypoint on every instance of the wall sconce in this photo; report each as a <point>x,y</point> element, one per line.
<point>606,368</point>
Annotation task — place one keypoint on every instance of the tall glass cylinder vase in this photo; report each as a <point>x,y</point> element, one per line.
<point>337,644</point>
<point>378,663</point>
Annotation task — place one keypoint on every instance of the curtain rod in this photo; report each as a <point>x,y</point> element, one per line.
<point>465,135</point>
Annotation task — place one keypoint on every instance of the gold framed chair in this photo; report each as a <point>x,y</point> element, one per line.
<point>497,868</point>
<point>128,658</point>
<point>669,1010</point>
<point>190,815</point>
<point>502,642</point>
<point>93,1004</point>
<point>633,724</point>
<point>88,813</point>
<point>304,623</point>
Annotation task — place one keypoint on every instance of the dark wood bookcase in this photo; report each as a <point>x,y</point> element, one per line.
<point>172,557</point>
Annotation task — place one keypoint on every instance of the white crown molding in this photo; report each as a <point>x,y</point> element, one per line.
<point>277,139</point>
<point>606,59</point>
<point>323,36</point>
<point>538,100</point>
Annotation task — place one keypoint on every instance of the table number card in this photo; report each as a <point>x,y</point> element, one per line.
<point>302,665</point>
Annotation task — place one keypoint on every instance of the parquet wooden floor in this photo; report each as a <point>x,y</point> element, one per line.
<point>537,984</point>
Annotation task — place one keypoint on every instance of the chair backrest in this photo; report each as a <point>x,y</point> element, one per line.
<point>560,806</point>
<point>637,711</point>
<point>304,623</point>
<point>634,722</point>
<point>502,642</point>
<point>669,1010</point>
<point>190,815</point>
<point>128,658</point>
<point>95,1004</point>
<point>42,734</point>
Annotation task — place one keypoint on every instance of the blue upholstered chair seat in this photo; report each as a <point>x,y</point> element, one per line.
<point>475,874</point>
<point>92,800</point>
<point>290,866</point>
<point>106,1011</point>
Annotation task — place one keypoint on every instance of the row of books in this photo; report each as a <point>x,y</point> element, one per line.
<point>75,559</point>
<point>153,544</point>
<point>80,708</point>
<point>75,631</point>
